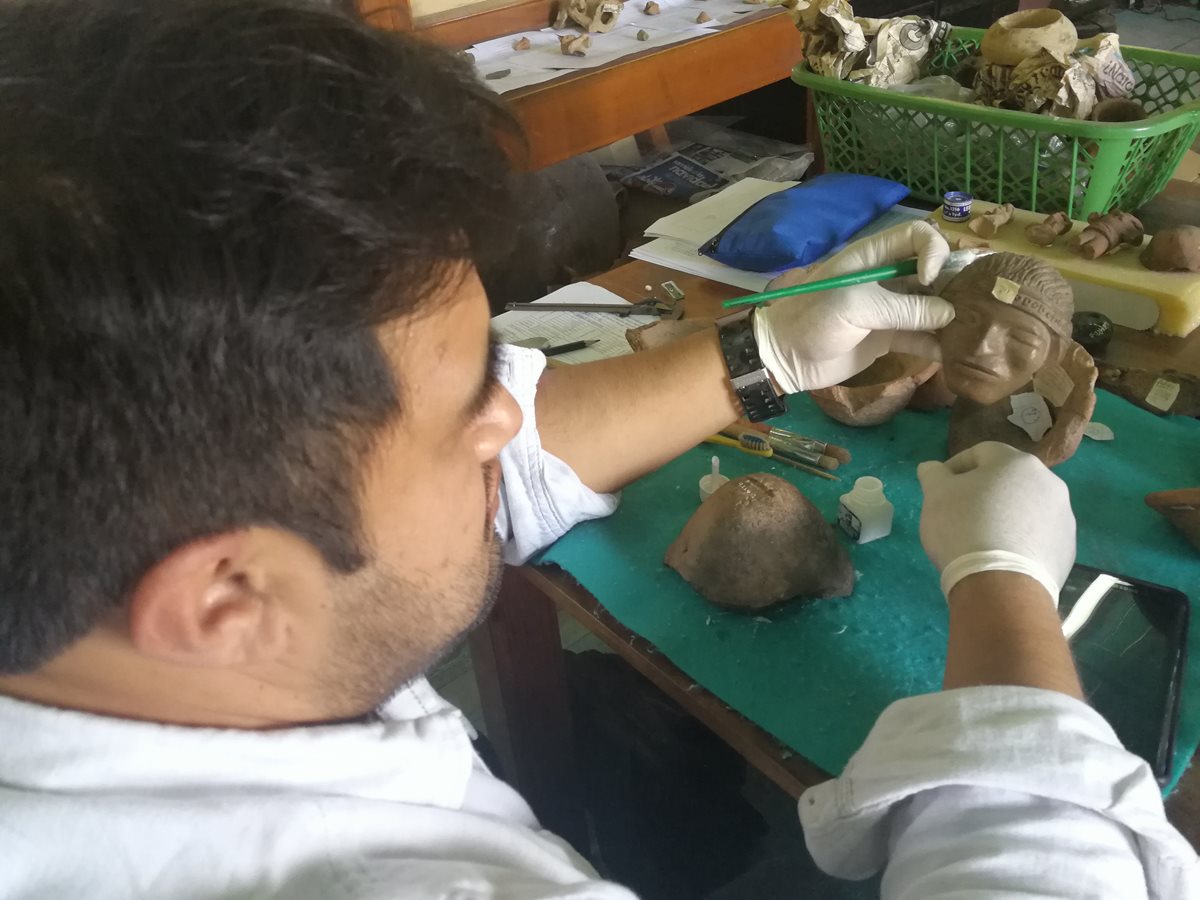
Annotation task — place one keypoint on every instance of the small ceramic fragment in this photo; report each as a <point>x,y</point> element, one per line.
<point>877,393</point>
<point>574,44</point>
<point>522,44</point>
<point>651,9</point>
<point>1174,250</point>
<point>986,224</point>
<point>702,18</point>
<point>1046,232</point>
<point>758,541</point>
<point>498,74</point>
<point>643,34</point>
<point>966,242</point>
<point>1108,234</point>
<point>1166,392</point>
<point>1181,508</point>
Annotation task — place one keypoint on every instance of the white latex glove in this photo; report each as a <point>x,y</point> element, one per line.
<point>993,508</point>
<point>818,340</point>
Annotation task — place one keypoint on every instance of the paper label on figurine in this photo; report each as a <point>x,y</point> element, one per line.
<point>1162,395</point>
<point>1053,383</point>
<point>1098,431</point>
<point>1005,291</point>
<point>1031,414</point>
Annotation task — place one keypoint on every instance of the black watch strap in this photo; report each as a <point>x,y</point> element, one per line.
<point>747,374</point>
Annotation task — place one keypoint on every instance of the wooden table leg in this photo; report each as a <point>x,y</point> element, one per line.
<point>519,666</point>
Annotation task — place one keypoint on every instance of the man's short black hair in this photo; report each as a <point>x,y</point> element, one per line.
<point>206,207</point>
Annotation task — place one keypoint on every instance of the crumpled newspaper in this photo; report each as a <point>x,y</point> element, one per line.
<point>874,52</point>
<point>1101,57</point>
<point>834,39</point>
<point>1042,84</point>
<point>899,48</point>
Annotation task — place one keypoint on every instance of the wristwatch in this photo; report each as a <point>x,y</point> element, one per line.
<point>747,374</point>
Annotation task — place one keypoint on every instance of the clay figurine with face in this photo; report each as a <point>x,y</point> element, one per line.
<point>1009,359</point>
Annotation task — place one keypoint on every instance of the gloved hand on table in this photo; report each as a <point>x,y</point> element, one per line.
<point>993,508</point>
<point>818,340</point>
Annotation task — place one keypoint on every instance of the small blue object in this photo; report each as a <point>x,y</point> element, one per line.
<point>956,206</point>
<point>800,225</point>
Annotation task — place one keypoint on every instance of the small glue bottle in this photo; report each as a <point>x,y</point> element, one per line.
<point>864,513</point>
<point>712,482</point>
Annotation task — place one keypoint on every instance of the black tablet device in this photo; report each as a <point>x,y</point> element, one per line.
<point>1129,639</point>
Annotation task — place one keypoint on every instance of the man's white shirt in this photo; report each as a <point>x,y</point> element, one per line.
<point>983,792</point>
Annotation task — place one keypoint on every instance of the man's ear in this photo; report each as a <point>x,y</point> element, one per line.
<point>226,600</point>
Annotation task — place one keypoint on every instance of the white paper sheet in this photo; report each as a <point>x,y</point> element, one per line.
<point>564,327</point>
<point>700,221</point>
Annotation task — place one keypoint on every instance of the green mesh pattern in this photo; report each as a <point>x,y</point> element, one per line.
<point>1011,156</point>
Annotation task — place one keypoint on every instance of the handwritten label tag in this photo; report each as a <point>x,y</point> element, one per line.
<point>1162,395</point>
<point>1004,290</point>
<point>1098,431</point>
<point>1031,414</point>
<point>1053,383</point>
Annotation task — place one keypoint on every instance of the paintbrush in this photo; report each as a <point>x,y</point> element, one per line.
<point>955,262</point>
<point>812,453</point>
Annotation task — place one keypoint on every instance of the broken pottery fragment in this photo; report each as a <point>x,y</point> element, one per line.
<point>933,394</point>
<point>1046,232</point>
<point>758,541</point>
<point>522,44</point>
<point>651,9</point>
<point>574,44</point>
<point>1108,233</point>
<point>702,18</point>
<point>878,392</point>
<point>1181,508</point>
<point>967,242</point>
<point>1165,392</point>
<point>1174,249</point>
<point>643,34</point>
<point>1009,358</point>
<point>497,75</point>
<point>591,15</point>
<point>986,224</point>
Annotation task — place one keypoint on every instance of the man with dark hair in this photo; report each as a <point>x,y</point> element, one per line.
<point>258,466</point>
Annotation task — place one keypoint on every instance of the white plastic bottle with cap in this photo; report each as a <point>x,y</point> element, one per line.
<point>864,513</point>
<point>712,482</point>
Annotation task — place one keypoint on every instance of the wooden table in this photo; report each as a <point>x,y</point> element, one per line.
<point>519,663</point>
<point>595,107</point>
<point>591,108</point>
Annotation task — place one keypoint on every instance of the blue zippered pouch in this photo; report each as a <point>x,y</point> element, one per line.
<point>800,225</point>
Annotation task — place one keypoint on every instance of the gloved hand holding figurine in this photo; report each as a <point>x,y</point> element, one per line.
<point>821,339</point>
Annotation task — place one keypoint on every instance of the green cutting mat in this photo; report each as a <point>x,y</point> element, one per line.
<point>817,674</point>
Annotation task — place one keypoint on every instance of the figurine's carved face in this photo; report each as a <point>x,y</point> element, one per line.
<point>991,350</point>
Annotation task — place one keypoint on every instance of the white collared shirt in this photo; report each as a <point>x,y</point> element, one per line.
<point>985,792</point>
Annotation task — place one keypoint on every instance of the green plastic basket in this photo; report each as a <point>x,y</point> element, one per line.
<point>1033,161</point>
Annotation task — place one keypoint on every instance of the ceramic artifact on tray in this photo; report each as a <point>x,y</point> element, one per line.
<point>1009,358</point>
<point>878,392</point>
<point>987,224</point>
<point>1108,233</point>
<point>758,541</point>
<point>1181,508</point>
<point>1046,232</point>
<point>1174,250</point>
